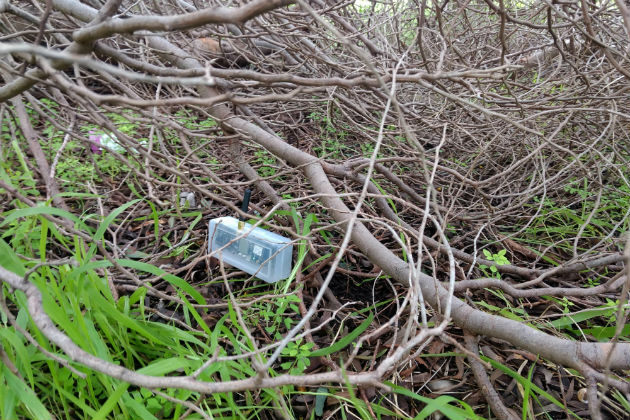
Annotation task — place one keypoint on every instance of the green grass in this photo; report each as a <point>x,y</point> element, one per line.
<point>563,216</point>
<point>78,300</point>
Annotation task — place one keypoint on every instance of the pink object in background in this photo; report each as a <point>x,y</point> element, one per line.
<point>94,140</point>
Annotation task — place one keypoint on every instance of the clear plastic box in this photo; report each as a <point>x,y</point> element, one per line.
<point>266,255</point>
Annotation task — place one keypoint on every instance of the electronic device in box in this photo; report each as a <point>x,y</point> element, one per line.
<point>266,255</point>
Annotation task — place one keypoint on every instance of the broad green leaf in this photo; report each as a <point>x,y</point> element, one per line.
<point>107,308</point>
<point>156,221</point>
<point>440,404</point>
<point>606,333</point>
<point>111,402</point>
<point>24,361</point>
<point>174,280</point>
<point>345,341</point>
<point>102,227</point>
<point>138,408</point>
<point>41,210</point>
<point>26,395</point>
<point>8,401</point>
<point>163,366</point>
<point>9,260</point>
<point>320,400</point>
<point>583,316</point>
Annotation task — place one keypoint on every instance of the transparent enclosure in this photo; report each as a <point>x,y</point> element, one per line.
<point>264,254</point>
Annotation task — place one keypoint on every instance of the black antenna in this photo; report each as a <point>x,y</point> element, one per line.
<point>245,205</point>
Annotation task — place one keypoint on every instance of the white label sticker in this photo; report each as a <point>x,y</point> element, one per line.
<point>257,250</point>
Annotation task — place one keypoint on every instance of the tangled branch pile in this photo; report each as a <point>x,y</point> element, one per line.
<point>461,169</point>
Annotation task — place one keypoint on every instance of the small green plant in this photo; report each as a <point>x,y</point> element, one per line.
<point>563,303</point>
<point>293,204</point>
<point>267,163</point>
<point>75,169</point>
<point>331,148</point>
<point>207,123</point>
<point>277,317</point>
<point>367,148</point>
<point>299,353</point>
<point>333,137</point>
<point>274,314</point>
<point>183,251</point>
<point>192,122</point>
<point>124,124</point>
<point>579,187</point>
<point>499,259</point>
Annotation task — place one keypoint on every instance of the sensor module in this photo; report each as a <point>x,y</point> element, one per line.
<point>264,254</point>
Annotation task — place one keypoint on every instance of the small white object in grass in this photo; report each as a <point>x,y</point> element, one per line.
<point>441,385</point>
<point>582,395</point>
<point>187,200</point>
<point>110,141</point>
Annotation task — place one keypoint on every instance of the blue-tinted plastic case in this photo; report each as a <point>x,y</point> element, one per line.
<point>266,255</point>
